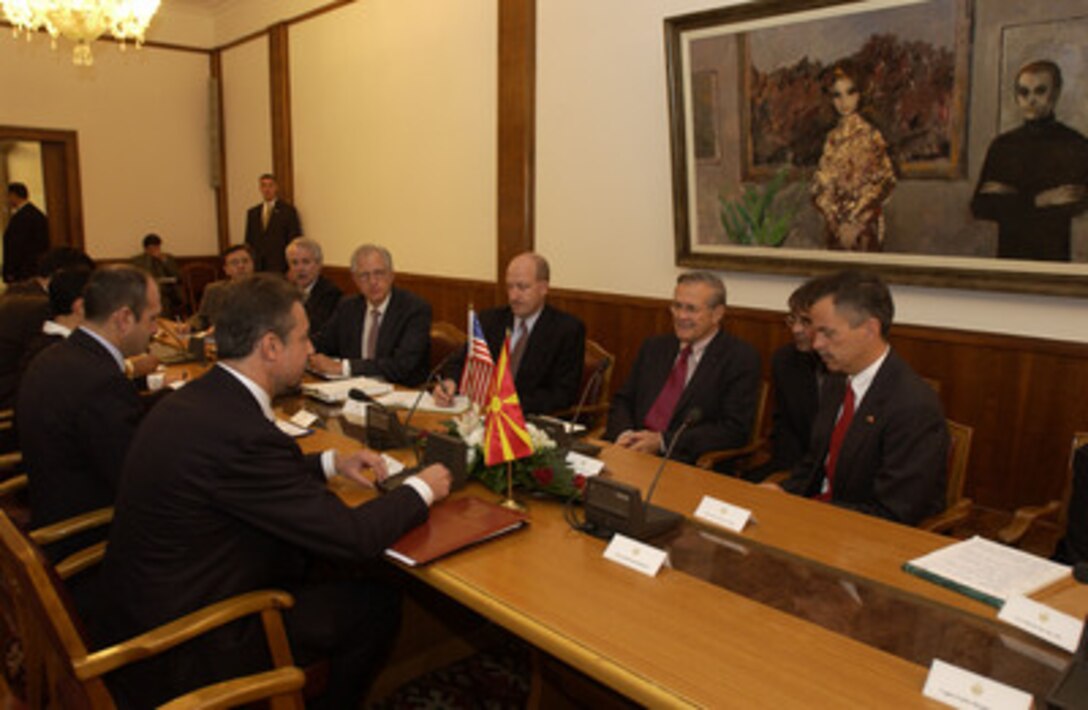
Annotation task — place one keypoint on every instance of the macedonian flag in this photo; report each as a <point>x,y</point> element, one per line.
<point>505,435</point>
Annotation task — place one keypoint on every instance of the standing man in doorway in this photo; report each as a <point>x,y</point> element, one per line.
<point>270,227</point>
<point>26,237</point>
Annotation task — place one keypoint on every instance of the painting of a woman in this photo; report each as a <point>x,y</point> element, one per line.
<point>855,176</point>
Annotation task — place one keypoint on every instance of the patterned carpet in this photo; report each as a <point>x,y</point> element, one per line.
<point>494,679</point>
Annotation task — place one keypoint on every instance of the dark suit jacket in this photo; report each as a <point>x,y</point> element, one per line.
<point>550,373</point>
<point>322,303</point>
<point>25,239</point>
<point>893,459</point>
<point>21,318</point>
<point>796,398</point>
<point>269,244</point>
<point>215,501</point>
<point>404,339</point>
<point>77,413</point>
<point>724,386</point>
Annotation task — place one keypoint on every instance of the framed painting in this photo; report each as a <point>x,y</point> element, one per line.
<point>811,135</point>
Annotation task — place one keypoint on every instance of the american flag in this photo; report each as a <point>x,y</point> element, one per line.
<point>476,377</point>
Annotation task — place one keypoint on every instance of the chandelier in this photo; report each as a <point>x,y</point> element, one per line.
<point>81,21</point>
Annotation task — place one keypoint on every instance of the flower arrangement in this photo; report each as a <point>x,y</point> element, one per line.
<point>545,471</point>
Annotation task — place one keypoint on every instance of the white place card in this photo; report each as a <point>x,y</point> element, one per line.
<point>291,429</point>
<point>635,555</point>
<point>726,515</point>
<point>963,689</point>
<point>392,465</point>
<point>354,411</point>
<point>1040,620</point>
<point>303,418</point>
<point>584,465</point>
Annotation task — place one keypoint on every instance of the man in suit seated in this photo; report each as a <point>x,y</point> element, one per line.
<point>699,365</point>
<point>270,225</point>
<point>304,260</point>
<point>880,441</point>
<point>65,311</point>
<point>797,372</point>
<point>547,346</point>
<point>237,264</point>
<point>216,501</point>
<point>383,332</point>
<point>164,269</point>
<point>77,411</point>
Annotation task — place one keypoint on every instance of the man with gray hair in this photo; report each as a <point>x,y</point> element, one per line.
<point>697,366</point>
<point>383,332</point>
<point>304,261</point>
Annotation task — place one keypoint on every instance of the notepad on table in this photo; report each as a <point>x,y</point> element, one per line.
<point>452,526</point>
<point>987,570</point>
<point>337,390</point>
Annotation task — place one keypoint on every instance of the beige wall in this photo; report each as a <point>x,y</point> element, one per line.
<point>604,186</point>
<point>142,120</point>
<point>394,120</point>
<point>247,128</point>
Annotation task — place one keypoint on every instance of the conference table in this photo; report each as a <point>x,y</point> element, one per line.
<point>807,607</point>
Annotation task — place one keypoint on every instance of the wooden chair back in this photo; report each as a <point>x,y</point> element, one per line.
<point>446,338</point>
<point>957,509</point>
<point>597,357</point>
<point>959,451</point>
<point>744,457</point>
<point>195,277</point>
<point>37,611</point>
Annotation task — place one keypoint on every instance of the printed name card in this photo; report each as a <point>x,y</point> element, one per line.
<point>354,411</point>
<point>584,465</point>
<point>1040,620</point>
<point>303,418</point>
<point>635,555</point>
<point>963,689</point>
<point>718,512</point>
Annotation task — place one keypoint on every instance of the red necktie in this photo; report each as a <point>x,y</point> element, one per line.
<point>660,414</point>
<point>837,436</point>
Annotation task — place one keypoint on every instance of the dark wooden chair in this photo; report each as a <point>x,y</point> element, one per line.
<point>1026,517</point>
<point>446,338</point>
<point>60,671</point>
<point>594,388</point>
<point>757,441</point>
<point>957,508</point>
<point>195,277</point>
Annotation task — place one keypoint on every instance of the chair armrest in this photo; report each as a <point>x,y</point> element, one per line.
<point>777,477</point>
<point>958,514</point>
<point>13,484</point>
<point>710,458</point>
<point>6,414</point>
<point>72,526</point>
<point>173,633</point>
<point>76,562</point>
<point>1024,518</point>
<point>241,691</point>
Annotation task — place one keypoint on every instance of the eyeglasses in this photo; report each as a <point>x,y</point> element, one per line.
<point>378,275</point>
<point>793,319</point>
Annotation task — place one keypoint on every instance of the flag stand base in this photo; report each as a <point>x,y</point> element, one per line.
<point>510,502</point>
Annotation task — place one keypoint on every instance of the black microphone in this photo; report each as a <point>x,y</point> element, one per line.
<point>360,396</point>
<point>598,373</point>
<point>692,417</point>
<point>427,383</point>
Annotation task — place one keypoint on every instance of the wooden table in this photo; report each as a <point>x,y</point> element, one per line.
<point>677,640</point>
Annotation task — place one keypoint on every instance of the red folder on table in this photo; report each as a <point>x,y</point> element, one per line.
<point>454,525</point>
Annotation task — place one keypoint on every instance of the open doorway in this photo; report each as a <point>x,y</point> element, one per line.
<point>47,161</point>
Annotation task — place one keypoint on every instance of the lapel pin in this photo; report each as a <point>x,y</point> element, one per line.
<point>870,419</point>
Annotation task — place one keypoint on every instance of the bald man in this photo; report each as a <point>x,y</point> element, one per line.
<point>547,367</point>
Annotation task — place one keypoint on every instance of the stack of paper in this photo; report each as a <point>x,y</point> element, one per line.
<point>987,570</point>
<point>337,391</point>
<point>406,399</point>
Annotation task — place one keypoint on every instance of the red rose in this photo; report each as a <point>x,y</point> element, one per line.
<point>579,481</point>
<point>543,476</point>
